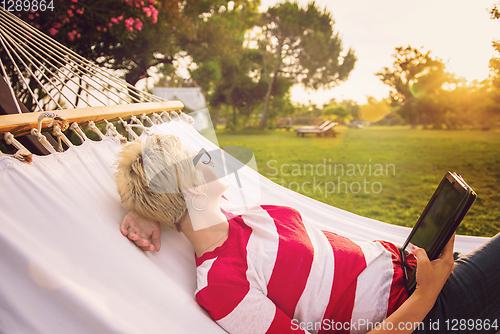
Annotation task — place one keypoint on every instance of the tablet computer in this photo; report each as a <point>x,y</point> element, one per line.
<point>439,220</point>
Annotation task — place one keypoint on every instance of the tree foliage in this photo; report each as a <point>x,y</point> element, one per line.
<point>300,45</point>
<point>221,63</point>
<point>130,35</point>
<point>343,111</point>
<point>426,94</point>
<point>415,78</point>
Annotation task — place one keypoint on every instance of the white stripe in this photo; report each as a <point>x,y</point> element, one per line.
<point>262,248</point>
<point>373,286</point>
<point>202,274</point>
<point>254,314</point>
<point>316,295</point>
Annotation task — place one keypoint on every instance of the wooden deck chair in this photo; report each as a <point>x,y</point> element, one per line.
<point>325,130</point>
<point>321,126</point>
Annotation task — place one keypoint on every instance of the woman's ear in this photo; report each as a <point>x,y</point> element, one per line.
<point>195,191</point>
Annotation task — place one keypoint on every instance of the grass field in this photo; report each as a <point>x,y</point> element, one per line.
<point>385,173</point>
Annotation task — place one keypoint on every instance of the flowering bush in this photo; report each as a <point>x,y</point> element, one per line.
<point>96,20</point>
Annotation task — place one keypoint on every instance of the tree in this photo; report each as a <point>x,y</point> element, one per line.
<point>222,65</point>
<point>129,35</point>
<point>414,79</point>
<point>345,110</point>
<point>495,65</point>
<point>300,45</point>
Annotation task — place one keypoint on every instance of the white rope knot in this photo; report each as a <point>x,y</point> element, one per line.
<point>112,133</point>
<point>79,132</point>
<point>188,119</point>
<point>43,140</point>
<point>54,118</point>
<point>165,114</point>
<point>22,153</point>
<point>61,137</point>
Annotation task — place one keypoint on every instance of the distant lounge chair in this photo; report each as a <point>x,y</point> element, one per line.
<point>326,129</point>
<point>321,126</point>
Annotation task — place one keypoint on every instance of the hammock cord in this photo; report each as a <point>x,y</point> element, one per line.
<point>58,71</point>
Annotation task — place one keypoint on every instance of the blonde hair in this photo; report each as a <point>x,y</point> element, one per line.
<point>152,175</point>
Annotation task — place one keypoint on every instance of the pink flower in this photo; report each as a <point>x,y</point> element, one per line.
<point>147,10</point>
<point>80,11</point>
<point>151,1</point>
<point>98,28</point>
<point>114,20</point>
<point>75,1</point>
<point>57,25</point>
<point>138,24</point>
<point>104,29</point>
<point>71,35</point>
<point>70,13</point>
<point>53,31</point>
<point>120,17</point>
<point>154,19</point>
<point>129,23</point>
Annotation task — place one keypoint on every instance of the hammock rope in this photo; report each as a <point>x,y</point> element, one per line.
<point>52,76</point>
<point>59,72</point>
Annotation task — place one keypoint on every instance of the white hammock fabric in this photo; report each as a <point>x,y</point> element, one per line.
<point>65,267</point>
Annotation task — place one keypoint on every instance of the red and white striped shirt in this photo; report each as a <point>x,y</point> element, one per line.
<point>276,273</point>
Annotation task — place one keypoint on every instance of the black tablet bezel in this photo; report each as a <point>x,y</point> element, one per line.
<point>444,235</point>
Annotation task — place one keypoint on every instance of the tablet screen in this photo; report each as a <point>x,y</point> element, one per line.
<point>436,217</point>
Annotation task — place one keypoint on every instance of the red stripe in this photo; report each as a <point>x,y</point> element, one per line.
<point>282,324</point>
<point>398,293</point>
<point>293,261</point>
<point>349,262</point>
<point>221,299</point>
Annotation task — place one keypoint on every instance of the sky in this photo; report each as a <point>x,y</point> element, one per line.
<point>459,32</point>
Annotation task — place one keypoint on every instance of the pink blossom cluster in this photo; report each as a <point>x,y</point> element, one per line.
<point>73,34</point>
<point>130,24</point>
<point>64,20</point>
<point>152,12</point>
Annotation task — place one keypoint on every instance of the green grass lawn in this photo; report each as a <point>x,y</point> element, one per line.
<point>385,173</point>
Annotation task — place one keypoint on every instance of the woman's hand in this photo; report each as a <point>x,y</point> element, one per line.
<point>140,230</point>
<point>432,275</point>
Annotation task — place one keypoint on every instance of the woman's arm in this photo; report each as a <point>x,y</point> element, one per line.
<point>141,230</point>
<point>431,277</point>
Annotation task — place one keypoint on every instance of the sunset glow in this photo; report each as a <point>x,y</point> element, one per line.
<point>459,32</point>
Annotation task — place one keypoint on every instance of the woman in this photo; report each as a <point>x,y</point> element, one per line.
<point>267,270</point>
